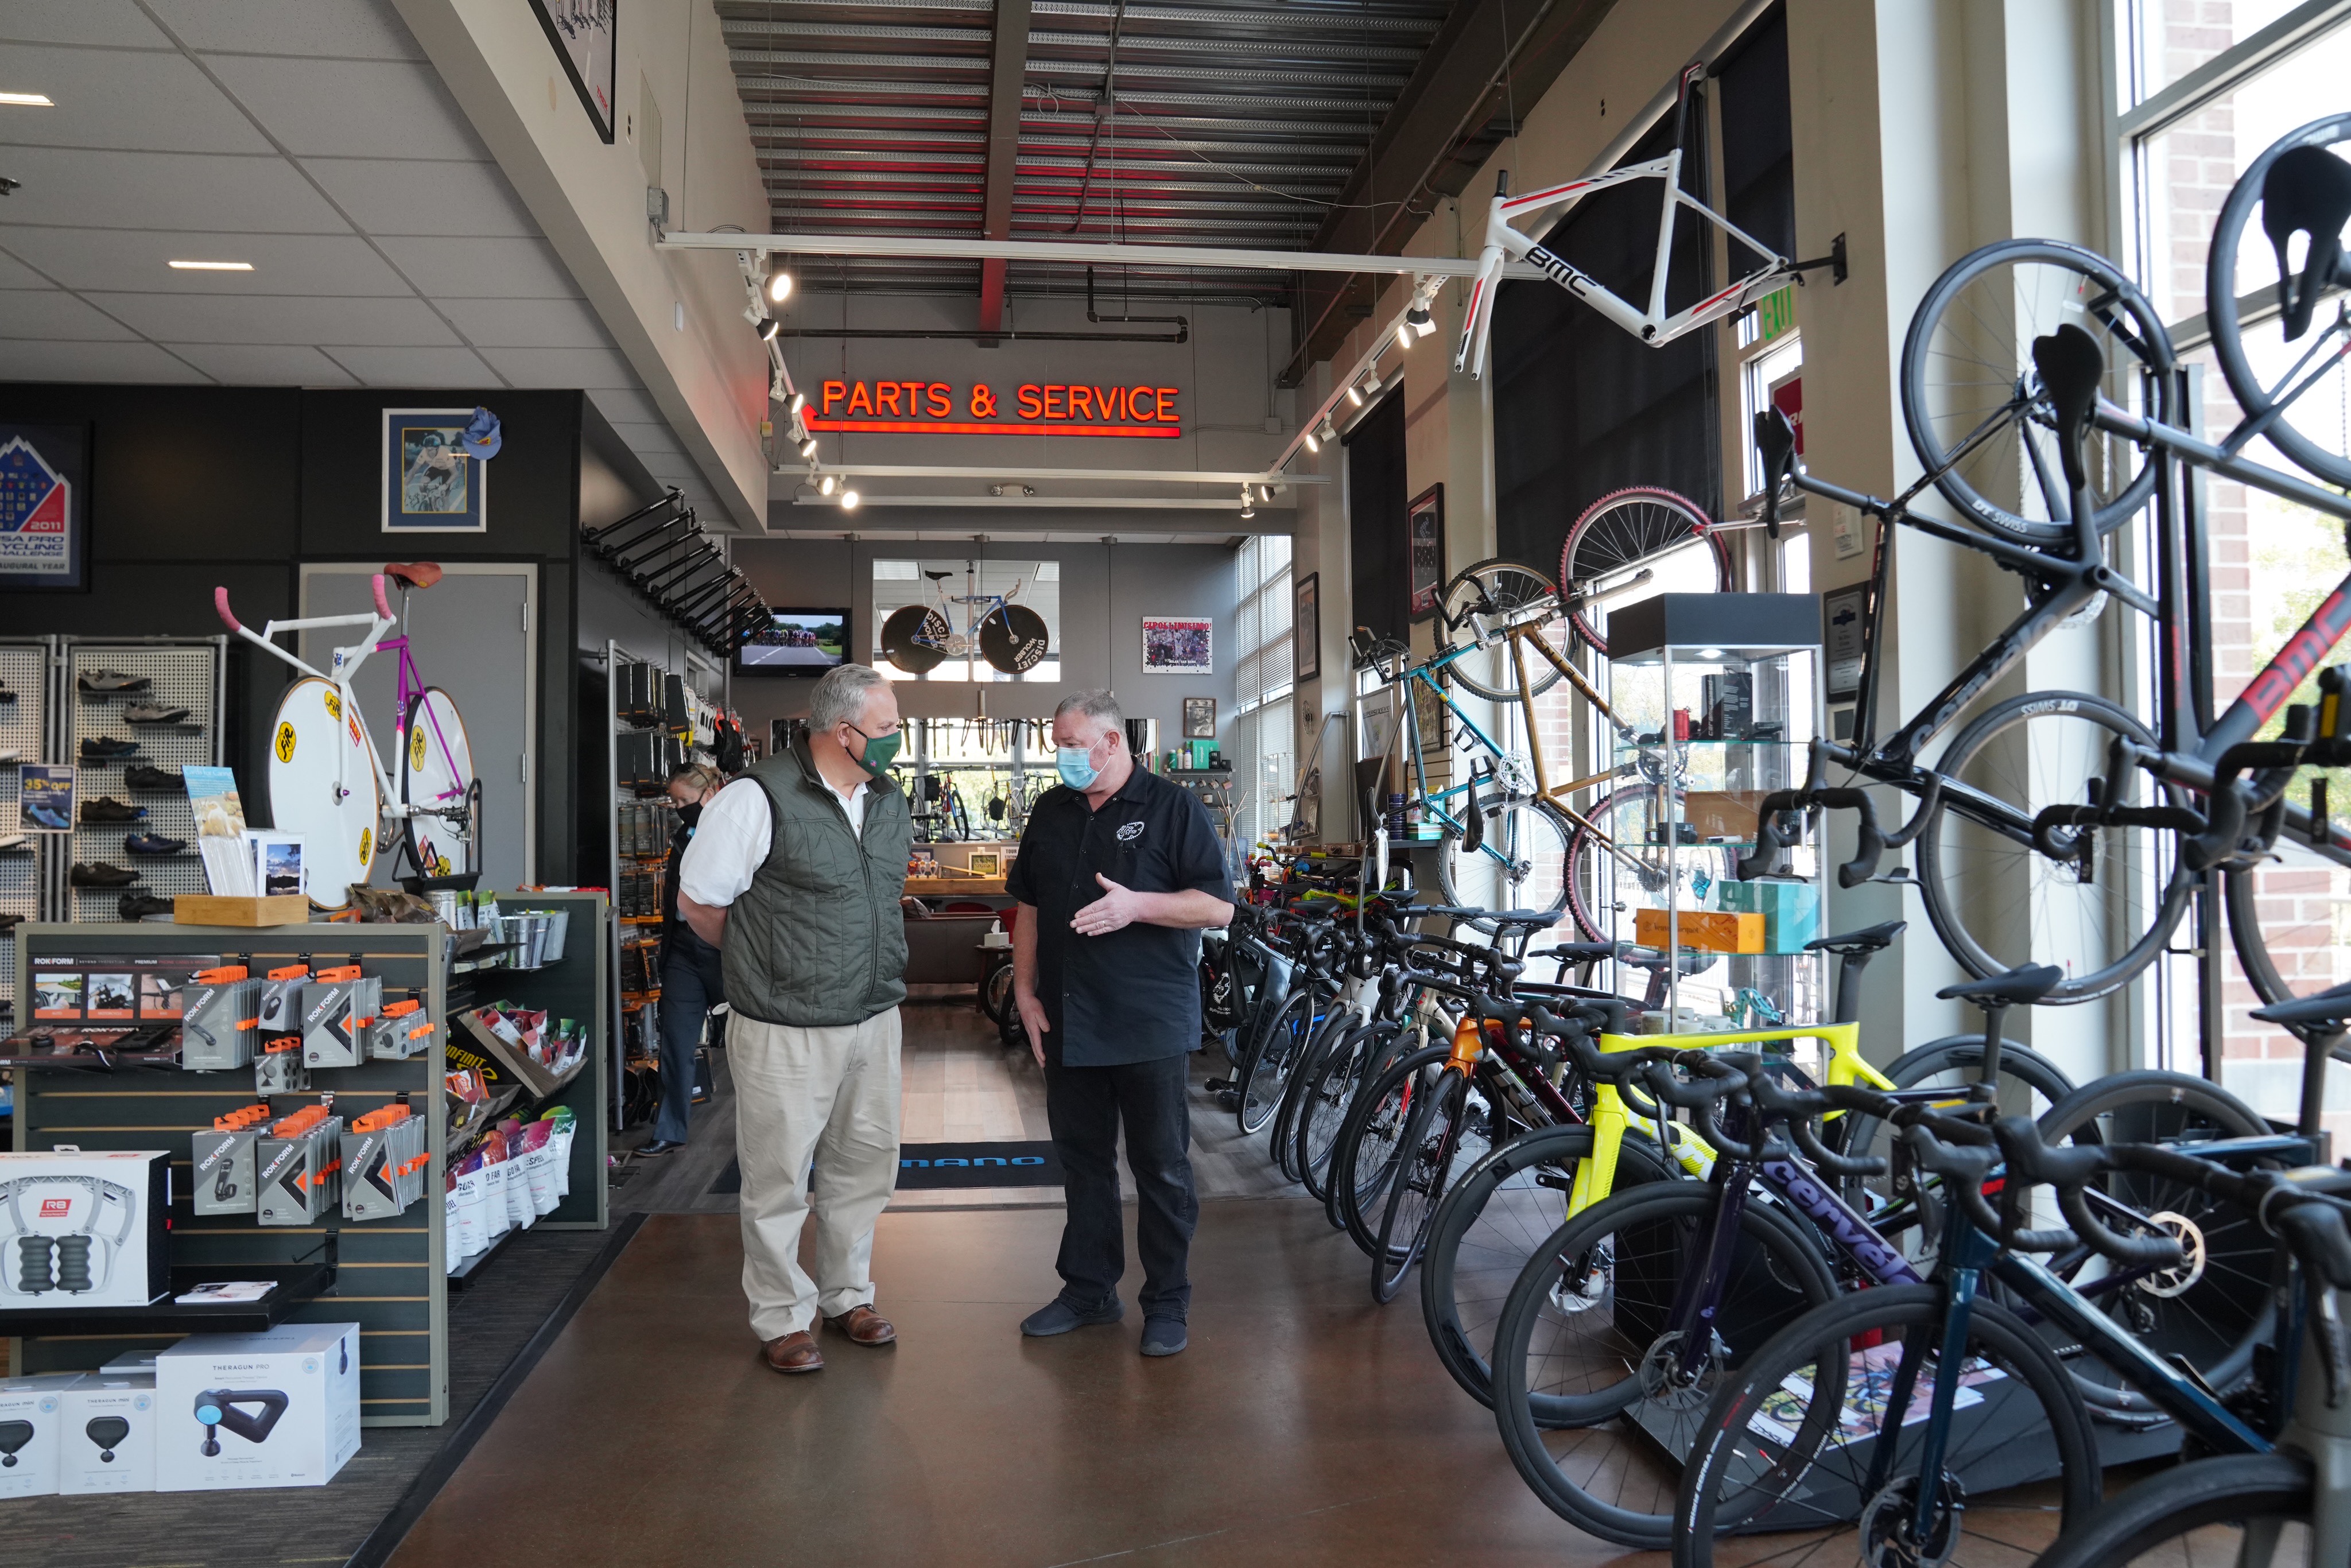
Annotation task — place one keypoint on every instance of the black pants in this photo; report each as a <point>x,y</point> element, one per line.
<point>1085,1106</point>
<point>692,984</point>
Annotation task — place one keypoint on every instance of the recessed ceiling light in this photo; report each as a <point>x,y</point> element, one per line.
<point>28,99</point>
<point>211,266</point>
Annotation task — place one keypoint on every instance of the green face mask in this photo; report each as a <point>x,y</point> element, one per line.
<point>880,751</point>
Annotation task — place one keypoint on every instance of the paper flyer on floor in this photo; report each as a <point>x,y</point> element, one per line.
<point>1868,1387</point>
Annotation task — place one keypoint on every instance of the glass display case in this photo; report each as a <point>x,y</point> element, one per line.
<point>1721,695</point>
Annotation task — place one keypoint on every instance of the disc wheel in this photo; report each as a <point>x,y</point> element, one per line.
<point>1974,403</point>
<point>915,638</point>
<point>323,785</point>
<point>1013,637</point>
<point>436,772</point>
<point>1500,595</point>
<point>1622,536</point>
<point>1998,903</point>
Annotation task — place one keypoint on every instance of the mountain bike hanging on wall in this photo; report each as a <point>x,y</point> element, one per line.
<point>324,781</point>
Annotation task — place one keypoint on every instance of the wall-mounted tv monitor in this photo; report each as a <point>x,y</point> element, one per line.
<point>796,642</point>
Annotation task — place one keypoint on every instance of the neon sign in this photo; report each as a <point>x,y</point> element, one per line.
<point>938,408</point>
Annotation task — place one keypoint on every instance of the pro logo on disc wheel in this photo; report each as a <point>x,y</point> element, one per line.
<point>285,743</point>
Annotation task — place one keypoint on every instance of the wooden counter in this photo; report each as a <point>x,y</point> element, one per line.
<point>953,886</point>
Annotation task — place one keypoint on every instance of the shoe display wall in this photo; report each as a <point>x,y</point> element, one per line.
<point>138,714</point>
<point>23,672</point>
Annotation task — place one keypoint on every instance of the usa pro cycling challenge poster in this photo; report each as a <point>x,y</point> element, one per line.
<point>44,506</point>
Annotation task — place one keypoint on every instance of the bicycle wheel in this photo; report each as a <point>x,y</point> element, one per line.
<point>995,994</point>
<point>1271,1056</point>
<point>1329,1030</point>
<point>1633,545</point>
<point>1586,1387</point>
<point>2261,332</point>
<point>2207,1512</point>
<point>1371,1143</point>
<point>2303,937</point>
<point>1997,901</point>
<point>1620,863</point>
<point>436,773</point>
<point>2029,1083</point>
<point>1501,594</point>
<point>2210,1310</point>
<point>1521,862</point>
<point>1788,1443</point>
<point>1322,1104</point>
<point>324,784</point>
<point>1425,1163</point>
<point>1968,372</point>
<point>1498,1213</point>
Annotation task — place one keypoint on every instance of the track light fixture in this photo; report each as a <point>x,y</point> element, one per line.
<point>808,448</point>
<point>1248,510</point>
<point>1372,385</point>
<point>778,286</point>
<point>1313,444</point>
<point>1417,319</point>
<point>768,328</point>
<point>1265,491</point>
<point>826,486</point>
<point>1355,396</point>
<point>848,499</point>
<point>797,401</point>
<point>1330,431</point>
<point>1403,337</point>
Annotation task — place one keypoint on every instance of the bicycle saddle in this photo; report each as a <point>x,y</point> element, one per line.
<point>2019,988</point>
<point>414,574</point>
<point>1581,952</point>
<point>2327,1006</point>
<point>2307,189</point>
<point>1868,939</point>
<point>2071,365</point>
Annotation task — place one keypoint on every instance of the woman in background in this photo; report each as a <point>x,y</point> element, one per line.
<point>690,977</point>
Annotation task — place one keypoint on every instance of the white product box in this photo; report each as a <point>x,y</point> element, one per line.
<point>276,1409</point>
<point>32,1421</point>
<point>108,1439</point>
<point>85,1229</point>
<point>130,1361</point>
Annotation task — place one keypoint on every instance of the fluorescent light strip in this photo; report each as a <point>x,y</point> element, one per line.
<point>211,266</point>
<point>28,99</point>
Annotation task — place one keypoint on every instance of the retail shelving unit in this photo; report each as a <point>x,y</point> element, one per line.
<point>389,1276</point>
<point>25,725</point>
<point>182,673</point>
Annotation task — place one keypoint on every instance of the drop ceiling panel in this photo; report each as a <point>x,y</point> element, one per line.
<point>395,196</point>
<point>356,30</point>
<point>528,323</point>
<point>14,273</point>
<point>280,318</point>
<point>482,269</point>
<point>592,368</point>
<point>116,23</point>
<point>120,98</point>
<point>38,361</point>
<point>206,192</point>
<point>54,313</point>
<point>282,264</point>
<point>263,364</point>
<point>381,366</point>
<point>354,108</point>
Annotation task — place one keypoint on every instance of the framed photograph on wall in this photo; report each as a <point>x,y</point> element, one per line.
<point>584,33</point>
<point>430,486</point>
<point>1424,531</point>
<point>1199,718</point>
<point>44,506</point>
<point>1179,645</point>
<point>1306,630</point>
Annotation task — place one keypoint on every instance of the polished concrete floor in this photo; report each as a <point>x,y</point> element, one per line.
<point>1305,1426</point>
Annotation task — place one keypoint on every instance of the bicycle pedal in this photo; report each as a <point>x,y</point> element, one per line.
<point>1230,1099</point>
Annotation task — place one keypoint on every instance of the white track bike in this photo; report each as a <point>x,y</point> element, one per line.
<point>324,781</point>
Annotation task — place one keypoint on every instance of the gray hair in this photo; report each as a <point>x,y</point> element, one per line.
<point>1098,705</point>
<point>840,697</point>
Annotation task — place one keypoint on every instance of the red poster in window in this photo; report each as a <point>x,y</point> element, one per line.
<point>1788,397</point>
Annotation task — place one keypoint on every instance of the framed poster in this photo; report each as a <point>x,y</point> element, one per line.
<point>1306,630</point>
<point>583,32</point>
<point>1424,531</point>
<point>44,506</point>
<point>1845,622</point>
<point>430,486</point>
<point>1178,645</point>
<point>1199,718</point>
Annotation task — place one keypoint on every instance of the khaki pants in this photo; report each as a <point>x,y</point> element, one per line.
<point>830,1095</point>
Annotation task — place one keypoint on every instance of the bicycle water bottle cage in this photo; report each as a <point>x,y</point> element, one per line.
<point>2307,190</point>
<point>218,1407</point>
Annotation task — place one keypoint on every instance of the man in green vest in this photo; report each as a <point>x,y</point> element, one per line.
<point>795,873</point>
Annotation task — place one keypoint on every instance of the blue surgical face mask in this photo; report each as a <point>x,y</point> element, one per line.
<point>1076,766</point>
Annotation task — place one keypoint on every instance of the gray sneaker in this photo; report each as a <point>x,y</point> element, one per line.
<point>1058,1316</point>
<point>1164,1336</point>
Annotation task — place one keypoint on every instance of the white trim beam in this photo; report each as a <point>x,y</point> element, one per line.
<point>1100,253</point>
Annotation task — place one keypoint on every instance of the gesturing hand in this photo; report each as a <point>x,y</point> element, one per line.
<point>1117,908</point>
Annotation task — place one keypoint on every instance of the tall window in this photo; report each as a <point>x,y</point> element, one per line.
<point>1265,762</point>
<point>2204,87</point>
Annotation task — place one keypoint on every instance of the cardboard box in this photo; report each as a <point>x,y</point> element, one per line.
<point>1723,813</point>
<point>276,1409</point>
<point>1790,910</point>
<point>1708,930</point>
<point>107,1442</point>
<point>32,1426</point>
<point>210,909</point>
<point>94,1228</point>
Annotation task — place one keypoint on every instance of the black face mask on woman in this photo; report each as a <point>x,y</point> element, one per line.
<point>690,815</point>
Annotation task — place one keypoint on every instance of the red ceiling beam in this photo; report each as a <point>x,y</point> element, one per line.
<point>1008,60</point>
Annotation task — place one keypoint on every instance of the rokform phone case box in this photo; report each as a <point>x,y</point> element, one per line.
<point>108,1440</point>
<point>85,1229</point>
<point>276,1409</point>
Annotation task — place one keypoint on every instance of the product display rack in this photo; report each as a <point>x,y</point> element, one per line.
<point>183,673</point>
<point>25,726</point>
<point>389,1276</point>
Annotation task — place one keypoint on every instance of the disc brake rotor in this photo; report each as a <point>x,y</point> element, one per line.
<point>2174,1282</point>
<point>1666,1385</point>
<point>1886,1538</point>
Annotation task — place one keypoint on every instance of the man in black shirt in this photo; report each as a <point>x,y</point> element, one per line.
<point>1119,872</point>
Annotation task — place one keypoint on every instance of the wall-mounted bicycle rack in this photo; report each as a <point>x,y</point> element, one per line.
<point>663,552</point>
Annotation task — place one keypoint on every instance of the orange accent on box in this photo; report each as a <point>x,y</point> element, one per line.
<point>1706,930</point>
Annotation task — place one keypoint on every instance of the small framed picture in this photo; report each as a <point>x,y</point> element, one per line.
<point>430,484</point>
<point>1199,718</point>
<point>986,862</point>
<point>1425,535</point>
<point>1178,645</point>
<point>1306,630</point>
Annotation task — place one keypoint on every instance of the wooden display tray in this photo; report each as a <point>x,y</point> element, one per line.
<point>501,1063</point>
<point>948,886</point>
<point>208,909</point>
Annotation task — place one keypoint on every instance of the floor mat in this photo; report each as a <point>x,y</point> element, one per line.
<point>928,1166</point>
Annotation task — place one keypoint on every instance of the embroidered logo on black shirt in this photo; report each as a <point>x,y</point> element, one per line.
<point>1130,831</point>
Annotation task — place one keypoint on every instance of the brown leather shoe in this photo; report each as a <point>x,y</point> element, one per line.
<point>863,1325</point>
<point>793,1353</point>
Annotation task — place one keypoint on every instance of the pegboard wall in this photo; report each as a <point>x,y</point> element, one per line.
<point>181,675</point>
<point>24,738</point>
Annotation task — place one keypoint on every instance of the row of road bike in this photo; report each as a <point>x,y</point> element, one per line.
<point>1747,1291</point>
